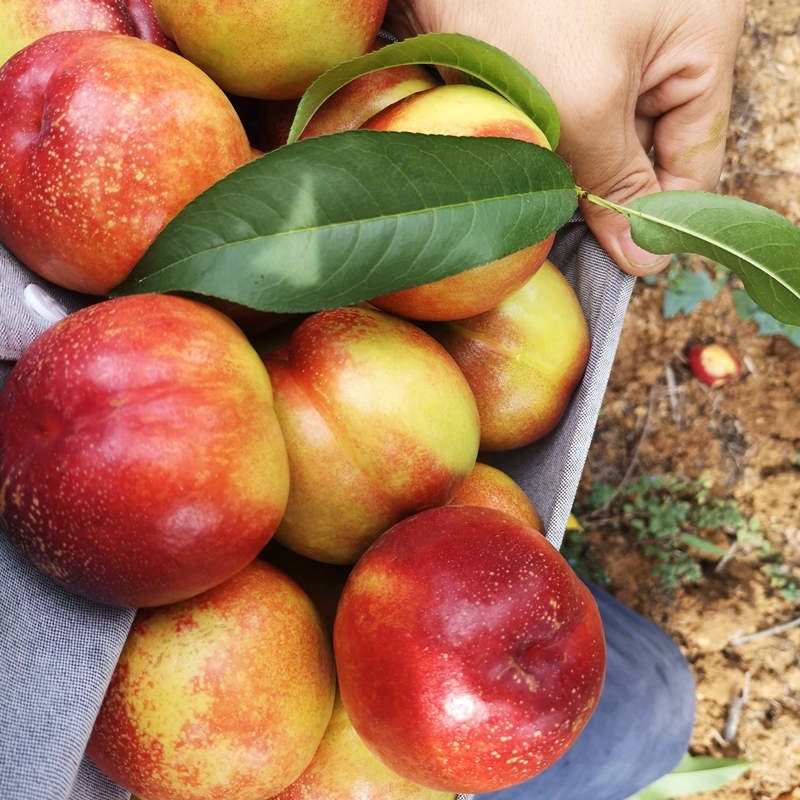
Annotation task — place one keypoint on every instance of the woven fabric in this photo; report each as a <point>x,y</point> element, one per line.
<point>57,651</point>
<point>28,305</point>
<point>549,470</point>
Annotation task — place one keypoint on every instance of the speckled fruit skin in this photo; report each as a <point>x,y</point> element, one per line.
<point>103,139</point>
<point>346,109</point>
<point>223,696</point>
<point>343,768</point>
<point>462,110</point>
<point>271,49</point>
<point>379,423</point>
<point>147,25</point>
<point>24,21</point>
<point>489,486</point>
<point>141,461</point>
<point>523,359</point>
<point>469,654</point>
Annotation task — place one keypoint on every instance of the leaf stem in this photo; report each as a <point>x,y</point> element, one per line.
<point>601,201</point>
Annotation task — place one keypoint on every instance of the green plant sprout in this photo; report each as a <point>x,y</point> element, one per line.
<point>778,574</point>
<point>669,518</point>
<point>578,550</point>
<point>766,324</point>
<point>666,516</point>
<point>685,288</point>
<point>694,775</point>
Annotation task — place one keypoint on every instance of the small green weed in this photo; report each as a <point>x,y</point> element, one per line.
<point>672,519</point>
<point>766,324</point>
<point>685,288</point>
<point>779,574</point>
<point>668,517</point>
<point>578,551</point>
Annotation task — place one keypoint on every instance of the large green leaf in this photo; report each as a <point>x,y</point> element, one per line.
<point>757,243</point>
<point>479,63</point>
<point>339,219</point>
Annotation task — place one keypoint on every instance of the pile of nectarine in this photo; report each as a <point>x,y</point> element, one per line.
<point>338,595</point>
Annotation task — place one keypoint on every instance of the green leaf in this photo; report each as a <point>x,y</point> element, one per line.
<point>766,324</point>
<point>758,244</point>
<point>701,544</point>
<point>693,775</point>
<point>685,290</point>
<point>339,219</point>
<point>480,63</point>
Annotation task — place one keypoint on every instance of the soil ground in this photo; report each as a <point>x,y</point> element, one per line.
<point>745,436</point>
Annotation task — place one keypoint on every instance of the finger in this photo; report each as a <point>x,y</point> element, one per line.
<point>689,144</point>
<point>616,167</point>
<point>644,131</point>
<point>689,99</point>
<point>611,229</point>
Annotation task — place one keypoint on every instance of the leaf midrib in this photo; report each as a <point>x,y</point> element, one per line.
<point>757,266</point>
<point>345,224</point>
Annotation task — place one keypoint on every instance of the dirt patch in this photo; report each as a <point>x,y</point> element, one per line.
<point>745,436</point>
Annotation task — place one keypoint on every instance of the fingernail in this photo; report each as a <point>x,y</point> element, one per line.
<point>640,258</point>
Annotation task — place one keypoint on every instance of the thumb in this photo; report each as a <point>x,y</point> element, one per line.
<point>611,229</point>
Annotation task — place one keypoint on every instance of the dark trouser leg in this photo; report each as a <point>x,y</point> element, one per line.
<point>642,725</point>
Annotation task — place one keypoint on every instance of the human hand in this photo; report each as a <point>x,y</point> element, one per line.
<point>643,90</point>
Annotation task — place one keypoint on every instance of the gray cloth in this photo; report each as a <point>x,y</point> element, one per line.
<point>28,306</point>
<point>57,651</point>
<point>549,470</point>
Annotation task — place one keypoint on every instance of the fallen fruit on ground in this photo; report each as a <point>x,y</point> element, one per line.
<point>469,654</point>
<point>713,364</point>
<point>141,461</point>
<point>226,695</point>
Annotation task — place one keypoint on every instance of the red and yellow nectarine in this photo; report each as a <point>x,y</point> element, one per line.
<point>469,654</point>
<point>109,138</point>
<point>141,461</point>
<point>226,695</point>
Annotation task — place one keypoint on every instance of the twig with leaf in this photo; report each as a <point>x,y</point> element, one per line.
<point>377,211</point>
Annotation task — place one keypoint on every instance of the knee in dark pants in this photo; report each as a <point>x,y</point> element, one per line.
<point>643,723</point>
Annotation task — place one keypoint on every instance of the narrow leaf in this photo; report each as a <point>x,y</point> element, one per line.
<point>701,544</point>
<point>758,244</point>
<point>480,63</point>
<point>695,774</point>
<point>339,219</point>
